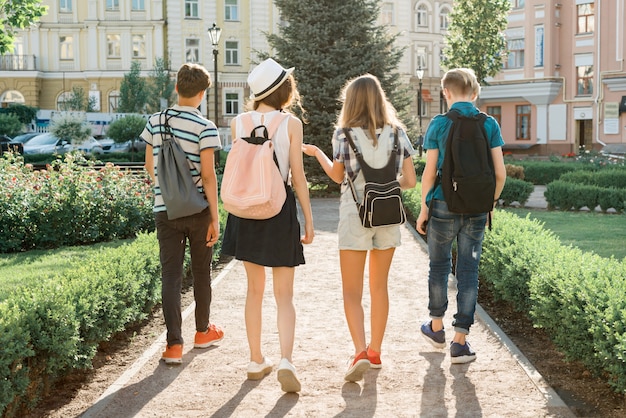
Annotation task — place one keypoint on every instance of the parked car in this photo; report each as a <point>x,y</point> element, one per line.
<point>6,143</point>
<point>47,144</point>
<point>24,138</point>
<point>139,145</point>
<point>91,146</point>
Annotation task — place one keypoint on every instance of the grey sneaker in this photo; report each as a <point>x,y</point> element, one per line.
<point>437,339</point>
<point>461,353</point>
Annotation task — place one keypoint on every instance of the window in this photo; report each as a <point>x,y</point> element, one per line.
<point>231,10</point>
<point>66,47</point>
<point>191,8</point>
<point>522,122</point>
<point>421,58</point>
<point>584,80</point>
<point>517,4</point>
<point>421,16</point>
<point>386,14</point>
<point>192,50</point>
<point>114,101</point>
<point>139,46</point>
<point>496,112</point>
<point>113,5</point>
<point>113,46</point>
<point>138,5</point>
<point>515,53</point>
<point>444,18</point>
<point>231,52</point>
<point>585,18</point>
<point>62,100</point>
<point>65,6</point>
<point>232,103</point>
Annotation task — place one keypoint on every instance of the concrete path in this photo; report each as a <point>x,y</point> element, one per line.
<point>415,381</point>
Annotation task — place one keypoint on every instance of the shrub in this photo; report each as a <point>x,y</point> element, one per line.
<point>71,128</point>
<point>55,326</point>
<point>70,203</point>
<point>577,297</point>
<point>516,190</point>
<point>514,171</point>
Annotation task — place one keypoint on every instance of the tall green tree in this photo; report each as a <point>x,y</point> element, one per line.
<point>15,15</point>
<point>79,100</point>
<point>133,91</point>
<point>475,36</point>
<point>161,85</point>
<point>330,42</point>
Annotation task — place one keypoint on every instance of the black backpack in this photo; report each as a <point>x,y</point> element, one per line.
<point>467,177</point>
<point>382,201</point>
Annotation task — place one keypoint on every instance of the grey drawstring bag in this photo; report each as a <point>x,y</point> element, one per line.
<point>179,191</point>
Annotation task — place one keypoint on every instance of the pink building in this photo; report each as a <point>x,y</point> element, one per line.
<point>563,85</point>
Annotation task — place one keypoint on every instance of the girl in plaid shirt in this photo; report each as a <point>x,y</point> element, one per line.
<point>371,119</point>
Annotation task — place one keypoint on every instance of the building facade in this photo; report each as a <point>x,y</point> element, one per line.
<point>562,87</point>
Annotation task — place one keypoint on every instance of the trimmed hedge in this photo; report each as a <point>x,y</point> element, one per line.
<point>577,297</point>
<point>516,190</point>
<point>48,330</point>
<point>566,196</point>
<point>605,178</point>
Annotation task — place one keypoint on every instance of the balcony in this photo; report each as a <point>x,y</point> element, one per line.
<point>18,63</point>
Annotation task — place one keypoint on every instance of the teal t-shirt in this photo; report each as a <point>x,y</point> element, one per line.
<point>437,135</point>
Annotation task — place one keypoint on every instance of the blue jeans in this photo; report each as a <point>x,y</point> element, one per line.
<point>468,230</point>
<point>172,236</point>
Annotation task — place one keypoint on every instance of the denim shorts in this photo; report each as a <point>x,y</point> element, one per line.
<point>354,236</point>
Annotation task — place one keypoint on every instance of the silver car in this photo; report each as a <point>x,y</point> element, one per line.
<point>47,144</point>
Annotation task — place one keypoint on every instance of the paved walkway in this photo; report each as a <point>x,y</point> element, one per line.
<point>415,380</point>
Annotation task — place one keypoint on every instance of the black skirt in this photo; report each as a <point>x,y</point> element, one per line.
<point>273,242</point>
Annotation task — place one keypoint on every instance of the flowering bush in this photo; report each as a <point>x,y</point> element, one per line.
<point>71,202</point>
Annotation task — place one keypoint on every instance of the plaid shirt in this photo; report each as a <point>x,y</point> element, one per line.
<point>343,153</point>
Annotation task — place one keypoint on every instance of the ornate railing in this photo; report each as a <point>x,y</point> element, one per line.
<point>18,62</point>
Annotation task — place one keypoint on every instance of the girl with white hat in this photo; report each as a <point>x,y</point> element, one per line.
<point>274,242</point>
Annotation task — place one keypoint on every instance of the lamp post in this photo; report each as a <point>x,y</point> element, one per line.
<point>214,34</point>
<point>420,75</point>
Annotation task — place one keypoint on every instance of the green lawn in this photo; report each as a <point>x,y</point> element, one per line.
<point>604,234</point>
<point>29,268</point>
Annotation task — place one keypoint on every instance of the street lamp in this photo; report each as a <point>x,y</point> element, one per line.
<point>420,75</point>
<point>214,34</point>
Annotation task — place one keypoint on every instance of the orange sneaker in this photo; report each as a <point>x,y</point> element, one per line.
<point>209,337</point>
<point>374,358</point>
<point>173,354</point>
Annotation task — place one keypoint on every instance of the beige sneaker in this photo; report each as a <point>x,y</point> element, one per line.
<point>257,371</point>
<point>287,377</point>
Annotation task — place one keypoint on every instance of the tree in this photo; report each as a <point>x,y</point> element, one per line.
<point>161,85</point>
<point>79,101</point>
<point>26,114</point>
<point>475,36</point>
<point>71,128</point>
<point>16,15</point>
<point>127,129</point>
<point>328,50</point>
<point>10,125</point>
<point>133,91</point>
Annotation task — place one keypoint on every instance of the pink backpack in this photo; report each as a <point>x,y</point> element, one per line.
<point>252,186</point>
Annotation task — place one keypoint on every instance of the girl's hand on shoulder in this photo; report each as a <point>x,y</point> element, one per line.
<point>309,149</point>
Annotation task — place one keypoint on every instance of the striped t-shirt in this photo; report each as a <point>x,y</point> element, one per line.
<point>192,131</point>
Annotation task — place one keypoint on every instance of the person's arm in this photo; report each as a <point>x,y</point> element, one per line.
<point>500,171</point>
<point>298,178</point>
<point>408,179</point>
<point>149,164</point>
<point>333,169</point>
<point>209,183</point>
<point>428,181</point>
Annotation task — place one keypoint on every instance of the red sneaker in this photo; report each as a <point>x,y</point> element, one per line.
<point>374,358</point>
<point>209,337</point>
<point>357,366</point>
<point>173,354</point>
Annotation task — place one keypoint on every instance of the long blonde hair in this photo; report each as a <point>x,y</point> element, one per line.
<point>365,105</point>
